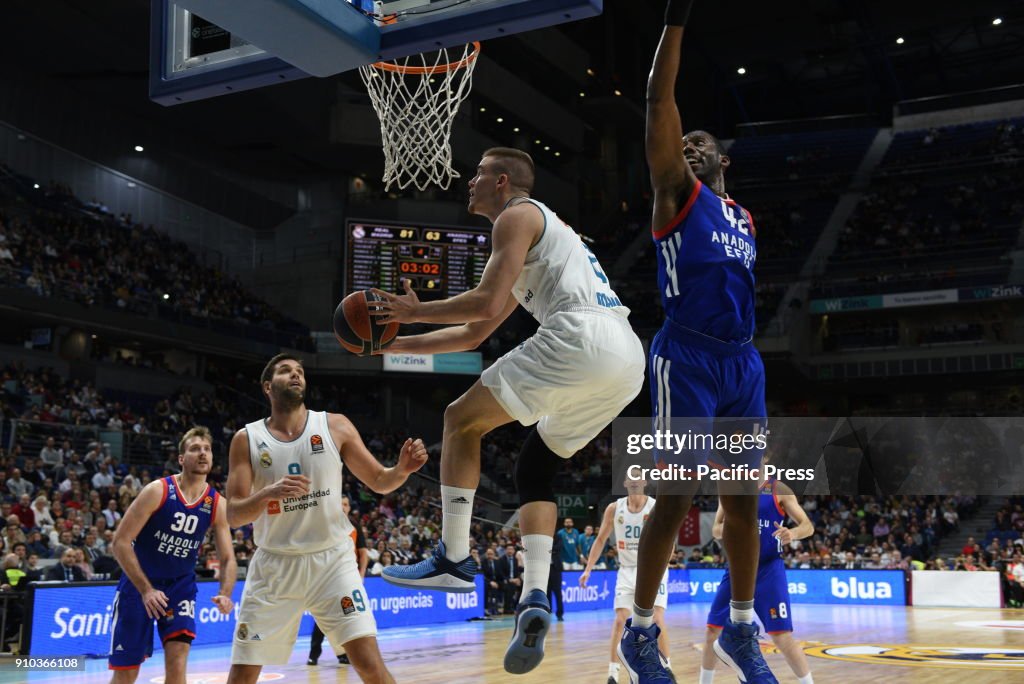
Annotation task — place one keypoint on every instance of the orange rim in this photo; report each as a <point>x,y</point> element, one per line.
<point>439,69</point>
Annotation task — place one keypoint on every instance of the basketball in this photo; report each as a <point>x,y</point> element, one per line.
<point>358,331</point>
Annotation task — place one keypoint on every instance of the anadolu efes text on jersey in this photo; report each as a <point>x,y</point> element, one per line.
<point>706,258</point>
<point>168,544</point>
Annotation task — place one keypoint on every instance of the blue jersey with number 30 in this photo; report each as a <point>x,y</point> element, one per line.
<point>168,545</point>
<point>706,257</point>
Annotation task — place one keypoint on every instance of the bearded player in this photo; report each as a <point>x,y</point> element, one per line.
<point>286,478</point>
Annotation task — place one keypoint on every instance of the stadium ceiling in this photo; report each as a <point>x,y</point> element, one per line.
<point>805,58</point>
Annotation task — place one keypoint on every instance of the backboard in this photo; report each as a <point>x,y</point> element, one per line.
<point>203,48</point>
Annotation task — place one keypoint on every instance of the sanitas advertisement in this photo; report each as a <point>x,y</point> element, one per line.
<point>75,620</point>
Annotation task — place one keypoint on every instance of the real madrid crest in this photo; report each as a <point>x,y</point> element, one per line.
<point>265,459</point>
<point>621,520</point>
<point>243,631</point>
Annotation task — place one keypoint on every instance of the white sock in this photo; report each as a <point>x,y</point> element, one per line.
<point>706,676</point>
<point>642,617</point>
<point>741,611</point>
<point>538,562</point>
<point>806,679</point>
<point>613,671</point>
<point>457,506</point>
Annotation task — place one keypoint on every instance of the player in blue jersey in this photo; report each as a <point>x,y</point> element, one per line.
<point>771,602</point>
<point>157,544</point>
<point>702,363</point>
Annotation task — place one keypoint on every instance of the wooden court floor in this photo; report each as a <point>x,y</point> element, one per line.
<point>845,644</point>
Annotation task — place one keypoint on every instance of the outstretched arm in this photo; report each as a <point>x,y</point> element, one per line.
<point>452,339</point>
<point>365,466</point>
<point>671,176</point>
<point>515,231</point>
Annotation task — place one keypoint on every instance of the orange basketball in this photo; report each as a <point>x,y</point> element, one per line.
<point>358,331</point>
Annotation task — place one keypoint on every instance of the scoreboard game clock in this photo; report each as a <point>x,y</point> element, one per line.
<point>440,261</point>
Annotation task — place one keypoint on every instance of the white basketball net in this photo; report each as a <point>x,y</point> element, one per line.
<point>417,98</point>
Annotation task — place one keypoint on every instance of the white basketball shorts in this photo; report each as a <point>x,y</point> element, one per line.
<point>279,587</point>
<point>625,588</point>
<point>572,378</point>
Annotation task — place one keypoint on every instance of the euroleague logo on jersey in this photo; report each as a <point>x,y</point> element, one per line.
<point>317,443</point>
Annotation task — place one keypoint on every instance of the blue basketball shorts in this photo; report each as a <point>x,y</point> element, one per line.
<point>697,383</point>
<point>771,599</point>
<point>131,638</point>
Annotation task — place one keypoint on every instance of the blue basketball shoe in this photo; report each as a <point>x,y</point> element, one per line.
<point>533,620</point>
<point>737,647</point>
<point>638,651</point>
<point>436,572</point>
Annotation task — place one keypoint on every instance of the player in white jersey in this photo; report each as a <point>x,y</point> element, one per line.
<point>575,375</point>
<point>626,516</point>
<point>286,477</point>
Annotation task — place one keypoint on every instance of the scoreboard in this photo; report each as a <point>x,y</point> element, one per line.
<point>441,262</point>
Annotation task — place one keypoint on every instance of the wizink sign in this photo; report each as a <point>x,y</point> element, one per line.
<point>454,363</point>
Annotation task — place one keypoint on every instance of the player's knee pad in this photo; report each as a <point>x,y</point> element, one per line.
<point>535,470</point>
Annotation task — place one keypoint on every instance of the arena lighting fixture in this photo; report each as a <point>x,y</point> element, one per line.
<point>516,129</point>
<point>618,93</point>
<point>900,41</point>
<point>558,154</point>
<point>139,148</point>
<point>741,71</point>
<point>483,109</point>
<point>997,21</point>
<point>166,296</point>
<point>547,147</point>
<point>35,185</point>
<point>501,120</point>
<point>535,142</point>
<point>590,72</point>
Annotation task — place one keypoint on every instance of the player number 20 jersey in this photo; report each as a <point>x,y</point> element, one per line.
<point>561,272</point>
<point>627,529</point>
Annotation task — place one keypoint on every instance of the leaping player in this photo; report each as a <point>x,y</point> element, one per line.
<point>285,477</point>
<point>703,362</point>
<point>627,517</point>
<point>157,545</point>
<point>581,368</point>
<point>771,595</point>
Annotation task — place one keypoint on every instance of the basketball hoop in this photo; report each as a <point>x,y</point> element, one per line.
<point>417,98</point>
